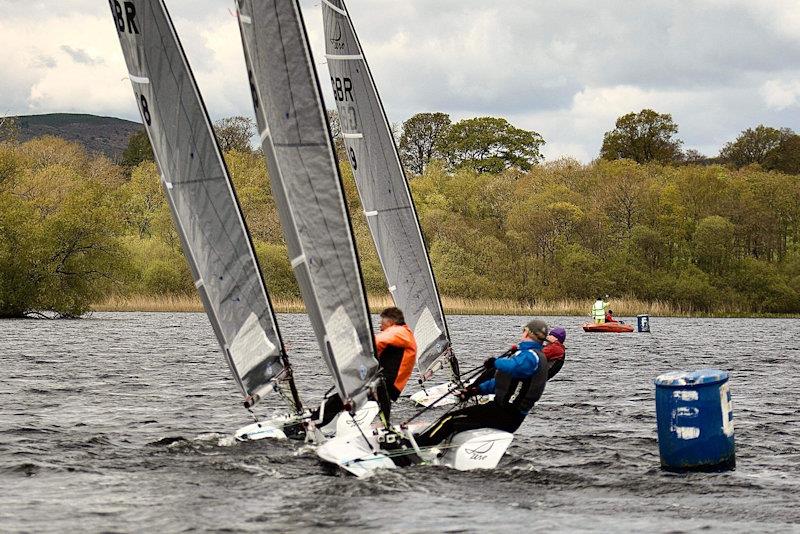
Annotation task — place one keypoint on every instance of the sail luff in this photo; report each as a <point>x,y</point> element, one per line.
<point>201,197</point>
<point>384,191</point>
<point>308,189</point>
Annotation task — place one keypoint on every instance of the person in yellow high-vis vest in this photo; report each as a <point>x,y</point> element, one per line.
<point>599,310</point>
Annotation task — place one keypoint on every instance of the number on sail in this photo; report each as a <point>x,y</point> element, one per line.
<point>145,109</point>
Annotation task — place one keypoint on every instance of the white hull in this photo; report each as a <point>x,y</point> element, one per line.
<point>344,425</point>
<point>355,455</point>
<point>269,429</point>
<point>474,449</point>
<point>347,425</point>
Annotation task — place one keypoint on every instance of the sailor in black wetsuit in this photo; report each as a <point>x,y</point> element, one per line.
<point>517,381</point>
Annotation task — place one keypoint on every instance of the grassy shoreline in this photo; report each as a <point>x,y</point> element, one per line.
<point>623,307</point>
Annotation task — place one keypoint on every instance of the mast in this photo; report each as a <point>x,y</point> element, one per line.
<point>202,199</point>
<point>308,191</point>
<point>385,195</point>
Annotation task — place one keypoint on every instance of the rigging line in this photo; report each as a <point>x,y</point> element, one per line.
<point>437,401</point>
<point>369,444</point>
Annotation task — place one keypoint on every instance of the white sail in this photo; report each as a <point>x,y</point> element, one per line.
<point>202,199</point>
<point>384,191</point>
<point>308,191</point>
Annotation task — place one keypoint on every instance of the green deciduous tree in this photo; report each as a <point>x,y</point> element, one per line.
<point>643,137</point>
<point>753,145</point>
<point>786,156</point>
<point>59,239</point>
<point>143,204</point>
<point>138,150</point>
<point>490,145</point>
<point>713,244</point>
<point>422,135</point>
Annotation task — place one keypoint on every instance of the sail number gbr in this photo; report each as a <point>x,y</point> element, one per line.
<point>124,16</point>
<point>342,88</point>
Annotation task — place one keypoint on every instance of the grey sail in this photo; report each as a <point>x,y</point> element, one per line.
<point>202,199</point>
<point>384,191</point>
<point>308,191</point>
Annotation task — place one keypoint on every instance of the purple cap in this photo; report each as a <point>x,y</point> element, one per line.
<point>559,333</point>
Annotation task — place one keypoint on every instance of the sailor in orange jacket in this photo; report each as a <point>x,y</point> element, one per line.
<point>397,354</point>
<point>397,351</point>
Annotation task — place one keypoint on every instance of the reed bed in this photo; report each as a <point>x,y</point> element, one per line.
<point>623,307</point>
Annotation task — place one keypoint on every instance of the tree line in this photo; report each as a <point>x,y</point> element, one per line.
<point>489,144</point>
<point>702,234</point>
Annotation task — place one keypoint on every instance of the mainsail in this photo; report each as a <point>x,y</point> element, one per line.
<point>384,192</point>
<point>307,187</point>
<point>202,199</point>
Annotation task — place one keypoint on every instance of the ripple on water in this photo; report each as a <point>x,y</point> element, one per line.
<point>124,422</point>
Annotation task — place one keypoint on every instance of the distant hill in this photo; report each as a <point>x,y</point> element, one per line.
<point>105,135</point>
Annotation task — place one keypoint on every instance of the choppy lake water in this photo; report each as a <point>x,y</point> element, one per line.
<point>120,423</point>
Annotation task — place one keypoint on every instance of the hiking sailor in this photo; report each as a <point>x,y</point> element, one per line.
<point>397,354</point>
<point>555,350</point>
<point>517,381</point>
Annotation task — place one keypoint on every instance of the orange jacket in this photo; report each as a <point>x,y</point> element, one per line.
<point>396,365</point>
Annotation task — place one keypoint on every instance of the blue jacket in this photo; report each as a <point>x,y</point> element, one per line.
<point>523,364</point>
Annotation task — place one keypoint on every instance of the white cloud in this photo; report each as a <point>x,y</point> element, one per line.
<point>566,69</point>
<point>65,63</point>
<point>781,94</point>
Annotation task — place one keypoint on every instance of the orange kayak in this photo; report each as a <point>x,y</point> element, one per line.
<point>607,327</point>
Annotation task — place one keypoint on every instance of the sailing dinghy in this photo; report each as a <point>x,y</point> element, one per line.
<point>309,195</point>
<point>393,223</point>
<point>387,202</point>
<point>205,209</point>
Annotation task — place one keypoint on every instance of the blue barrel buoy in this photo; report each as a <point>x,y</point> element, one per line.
<point>695,421</point>
<point>643,323</point>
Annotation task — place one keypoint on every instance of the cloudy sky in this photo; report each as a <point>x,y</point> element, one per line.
<point>565,68</point>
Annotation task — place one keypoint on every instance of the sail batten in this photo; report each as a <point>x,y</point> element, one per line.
<point>308,190</point>
<point>384,191</point>
<point>201,197</point>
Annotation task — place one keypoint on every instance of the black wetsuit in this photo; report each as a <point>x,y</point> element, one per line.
<point>555,367</point>
<point>514,398</point>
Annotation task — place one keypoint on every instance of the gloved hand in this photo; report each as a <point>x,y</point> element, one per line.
<point>468,393</point>
<point>489,363</point>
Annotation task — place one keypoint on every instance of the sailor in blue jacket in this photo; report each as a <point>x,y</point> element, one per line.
<point>517,380</point>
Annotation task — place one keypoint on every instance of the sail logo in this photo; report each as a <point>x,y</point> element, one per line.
<point>336,40</point>
<point>481,452</point>
<point>356,420</point>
